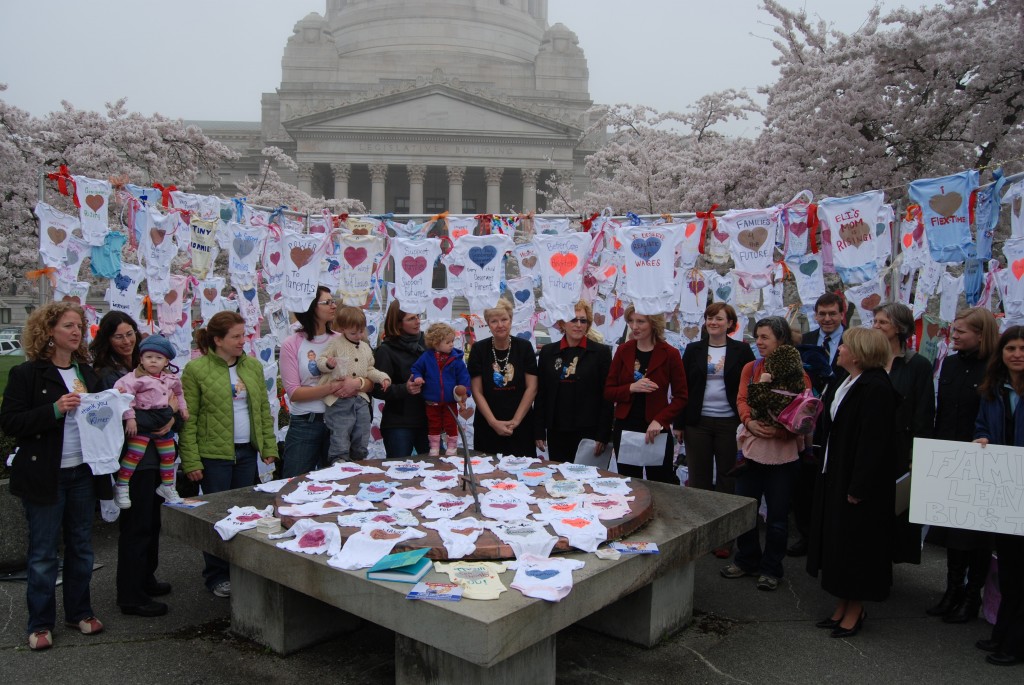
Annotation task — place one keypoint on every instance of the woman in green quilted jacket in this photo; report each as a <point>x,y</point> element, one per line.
<point>230,418</point>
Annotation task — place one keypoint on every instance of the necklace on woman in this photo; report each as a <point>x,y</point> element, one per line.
<point>503,371</point>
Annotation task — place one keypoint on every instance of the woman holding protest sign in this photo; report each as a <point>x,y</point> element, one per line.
<point>1001,422</point>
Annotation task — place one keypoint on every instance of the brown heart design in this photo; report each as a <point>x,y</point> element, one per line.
<point>464,531</point>
<point>95,202</point>
<point>691,332</point>
<point>753,239</point>
<point>530,262</point>
<point>599,319</point>
<point>57,235</point>
<point>855,234</point>
<point>301,256</point>
<point>71,298</point>
<point>210,294</point>
<point>871,301</point>
<point>171,297</point>
<point>157,236</point>
<point>946,205</point>
<point>378,534</point>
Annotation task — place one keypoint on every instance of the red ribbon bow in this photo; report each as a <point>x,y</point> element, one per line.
<point>165,193</point>
<point>588,223</point>
<point>708,224</point>
<point>63,178</point>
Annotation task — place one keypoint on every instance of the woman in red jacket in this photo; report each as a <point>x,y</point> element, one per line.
<point>644,371</point>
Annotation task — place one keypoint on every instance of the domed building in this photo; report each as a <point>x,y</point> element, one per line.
<point>421,107</point>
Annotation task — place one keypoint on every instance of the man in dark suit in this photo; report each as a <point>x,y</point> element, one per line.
<point>829,311</point>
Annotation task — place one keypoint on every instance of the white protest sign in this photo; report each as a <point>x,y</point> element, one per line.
<point>963,485</point>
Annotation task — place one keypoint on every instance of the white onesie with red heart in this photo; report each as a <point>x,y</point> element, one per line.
<point>310,537</point>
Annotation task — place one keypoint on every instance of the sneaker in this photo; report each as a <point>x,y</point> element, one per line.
<point>87,626</point>
<point>451,451</point>
<point>733,571</point>
<point>222,589</point>
<point>40,640</point>
<point>121,498</point>
<point>168,493</point>
<point>767,583</point>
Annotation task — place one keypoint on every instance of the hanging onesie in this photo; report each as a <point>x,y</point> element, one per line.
<point>950,288</point>
<point>798,234</point>
<point>986,214</point>
<point>650,254</point>
<point>439,307</point>
<point>850,225</point>
<point>560,260</point>
<point>866,297</point>
<point>99,425</point>
<point>122,293</point>
<point>414,271</point>
<point>483,258</point>
<point>71,291</point>
<point>169,307</point>
<point>809,276</point>
<point>545,226</point>
<point>210,299</point>
<point>945,203</point>
<point>694,298</point>
<point>526,255</point>
<point>609,318</point>
<point>1015,198</point>
<point>93,195</point>
<point>55,229</point>
<point>302,269</point>
<point>522,296</point>
<point>357,254</point>
<point>76,250</point>
<point>202,245</point>
<point>1011,281</point>
<point>248,301</point>
<point>927,283</point>
<point>913,241</point>
<point>751,244</point>
<point>244,245</point>
<point>716,245</point>
<point>105,260</point>
<point>263,349</point>
<point>883,234</point>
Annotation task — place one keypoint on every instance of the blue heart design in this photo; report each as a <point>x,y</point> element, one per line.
<point>226,213</point>
<point>270,384</point>
<point>333,265</point>
<point>265,355</point>
<point>723,292</point>
<point>249,294</point>
<point>122,282</point>
<point>243,247</point>
<point>645,249</point>
<point>371,329</point>
<point>100,418</point>
<point>523,295</point>
<point>525,335</point>
<point>542,574</point>
<point>482,256</point>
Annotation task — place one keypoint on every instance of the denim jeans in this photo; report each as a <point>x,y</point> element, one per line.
<point>776,483</point>
<point>220,475</point>
<point>73,511</point>
<point>305,445</point>
<point>348,419</point>
<point>400,442</point>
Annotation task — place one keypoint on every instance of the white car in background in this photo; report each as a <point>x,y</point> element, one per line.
<point>10,347</point>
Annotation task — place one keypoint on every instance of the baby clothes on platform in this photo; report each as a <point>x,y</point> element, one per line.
<point>313,491</point>
<point>458,535</point>
<point>481,465</point>
<point>100,429</point>
<point>513,465</point>
<point>608,507</point>
<point>239,519</point>
<point>479,580</point>
<point>502,507</point>
<point>583,529</point>
<point>945,203</point>
<point>377,491</point>
<point>611,486</point>
<point>391,517</point>
<point>343,470</point>
<point>331,505</point>
<point>572,471</point>
<point>439,480</point>
<point>372,543</point>
<point>543,578</point>
<point>446,506</point>
<point>525,537</point>
<point>535,476</point>
<point>272,487</point>
<point>564,488</point>
<point>409,498</point>
<point>405,470</point>
<point>508,486</point>
<point>559,507</point>
<point>310,537</point>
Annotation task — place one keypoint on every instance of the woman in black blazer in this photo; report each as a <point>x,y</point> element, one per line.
<point>713,366</point>
<point>570,404</point>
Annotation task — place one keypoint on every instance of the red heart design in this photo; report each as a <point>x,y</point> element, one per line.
<point>576,523</point>
<point>798,228</point>
<point>440,302</point>
<point>459,232</point>
<point>616,311</point>
<point>414,266</point>
<point>564,262</point>
<point>248,518</point>
<point>589,281</point>
<point>690,228</point>
<point>1018,268</point>
<point>505,486</point>
<point>375,433</point>
<point>313,538</point>
<point>319,488</point>
<point>871,301</point>
<point>721,236</point>
<point>275,257</point>
<point>696,286</point>
<point>455,269</point>
<point>563,507</point>
<point>908,241</point>
<point>355,256</point>
<point>505,505</point>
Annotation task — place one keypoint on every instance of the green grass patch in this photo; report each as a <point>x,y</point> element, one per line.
<point>7,362</point>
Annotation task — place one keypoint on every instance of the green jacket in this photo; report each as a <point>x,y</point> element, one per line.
<point>211,423</point>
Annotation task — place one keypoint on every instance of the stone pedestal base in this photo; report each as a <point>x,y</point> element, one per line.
<point>420,664</point>
<point>650,614</point>
<point>281,618</point>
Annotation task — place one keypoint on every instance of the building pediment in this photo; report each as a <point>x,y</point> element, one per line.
<point>436,109</point>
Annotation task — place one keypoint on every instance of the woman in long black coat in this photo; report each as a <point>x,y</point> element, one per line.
<point>855,493</point>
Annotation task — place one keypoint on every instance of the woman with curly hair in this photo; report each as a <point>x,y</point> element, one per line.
<point>49,474</point>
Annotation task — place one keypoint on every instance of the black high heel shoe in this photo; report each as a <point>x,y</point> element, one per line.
<point>828,623</point>
<point>839,631</point>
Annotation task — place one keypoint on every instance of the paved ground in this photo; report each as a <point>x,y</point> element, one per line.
<point>740,635</point>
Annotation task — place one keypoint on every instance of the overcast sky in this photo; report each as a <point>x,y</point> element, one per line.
<point>211,59</point>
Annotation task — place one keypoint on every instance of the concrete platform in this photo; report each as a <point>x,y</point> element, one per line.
<point>642,599</point>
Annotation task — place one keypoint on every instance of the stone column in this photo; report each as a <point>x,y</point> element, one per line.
<point>529,189</point>
<point>341,176</point>
<point>455,176</point>
<point>493,176</point>
<point>378,173</point>
<point>306,178</point>
<point>417,172</point>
